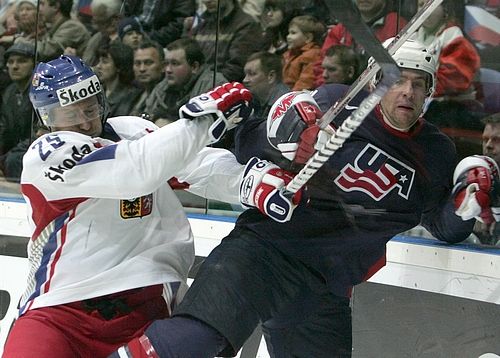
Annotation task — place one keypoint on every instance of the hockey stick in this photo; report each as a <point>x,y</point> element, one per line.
<point>366,106</point>
<point>373,68</point>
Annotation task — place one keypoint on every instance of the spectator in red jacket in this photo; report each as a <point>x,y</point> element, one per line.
<point>458,59</point>
<point>454,103</point>
<point>377,14</point>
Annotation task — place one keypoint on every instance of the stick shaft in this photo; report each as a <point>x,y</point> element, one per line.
<point>366,106</point>
<point>372,70</point>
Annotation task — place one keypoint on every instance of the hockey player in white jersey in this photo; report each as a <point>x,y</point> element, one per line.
<point>111,246</point>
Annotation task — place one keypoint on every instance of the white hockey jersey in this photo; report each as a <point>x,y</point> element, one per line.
<point>104,218</point>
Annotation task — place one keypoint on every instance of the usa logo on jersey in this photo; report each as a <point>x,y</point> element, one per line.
<point>376,173</point>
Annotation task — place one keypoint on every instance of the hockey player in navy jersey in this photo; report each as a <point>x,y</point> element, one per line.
<point>111,246</point>
<point>295,276</point>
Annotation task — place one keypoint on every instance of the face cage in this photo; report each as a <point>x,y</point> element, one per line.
<point>47,114</point>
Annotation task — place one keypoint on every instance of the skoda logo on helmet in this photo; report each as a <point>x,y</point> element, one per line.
<point>79,91</point>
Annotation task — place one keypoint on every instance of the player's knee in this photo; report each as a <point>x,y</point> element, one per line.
<point>185,336</point>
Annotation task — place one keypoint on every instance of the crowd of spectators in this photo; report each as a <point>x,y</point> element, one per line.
<point>152,56</point>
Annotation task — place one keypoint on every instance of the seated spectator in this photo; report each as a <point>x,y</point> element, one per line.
<point>238,36</point>
<point>341,65</point>
<point>16,114</point>
<point>491,136</point>
<point>149,65</point>
<point>162,20</point>
<point>490,234</point>
<point>459,63</point>
<point>62,33</point>
<point>25,16</point>
<point>116,73</point>
<point>84,14</point>
<point>459,60</point>
<point>131,32</point>
<point>186,76</point>
<point>105,18</point>
<point>274,21</point>
<point>8,23</point>
<point>375,13</point>
<point>304,36</point>
<point>263,78</point>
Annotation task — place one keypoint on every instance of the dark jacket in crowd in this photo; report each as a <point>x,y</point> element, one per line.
<point>239,36</point>
<point>164,101</point>
<point>15,128</point>
<point>121,101</point>
<point>162,20</point>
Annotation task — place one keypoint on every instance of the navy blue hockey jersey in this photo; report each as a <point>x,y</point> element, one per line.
<point>381,182</point>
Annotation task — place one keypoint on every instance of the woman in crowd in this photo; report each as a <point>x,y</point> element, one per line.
<point>115,71</point>
<point>275,19</point>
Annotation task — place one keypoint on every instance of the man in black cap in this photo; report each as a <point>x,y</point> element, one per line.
<point>16,112</point>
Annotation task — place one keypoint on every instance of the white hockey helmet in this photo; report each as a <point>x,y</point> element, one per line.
<point>414,55</point>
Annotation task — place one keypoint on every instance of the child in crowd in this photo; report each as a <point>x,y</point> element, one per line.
<point>304,38</point>
<point>131,32</point>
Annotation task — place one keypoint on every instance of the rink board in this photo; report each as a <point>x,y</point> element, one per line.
<point>430,300</point>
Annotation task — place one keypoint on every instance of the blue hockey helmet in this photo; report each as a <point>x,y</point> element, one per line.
<point>60,84</point>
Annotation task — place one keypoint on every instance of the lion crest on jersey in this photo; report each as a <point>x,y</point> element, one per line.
<point>136,208</point>
<point>376,173</point>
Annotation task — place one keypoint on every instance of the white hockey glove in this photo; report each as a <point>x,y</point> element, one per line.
<point>476,189</point>
<point>228,104</point>
<point>292,127</point>
<point>261,188</point>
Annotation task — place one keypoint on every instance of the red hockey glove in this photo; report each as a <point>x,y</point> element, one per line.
<point>137,348</point>
<point>261,188</point>
<point>292,126</point>
<point>476,183</point>
<point>228,104</point>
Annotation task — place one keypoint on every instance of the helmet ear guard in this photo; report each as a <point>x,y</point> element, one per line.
<point>61,83</point>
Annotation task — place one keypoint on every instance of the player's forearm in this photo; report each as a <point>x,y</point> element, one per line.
<point>214,174</point>
<point>447,226</point>
<point>145,164</point>
<point>127,169</point>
